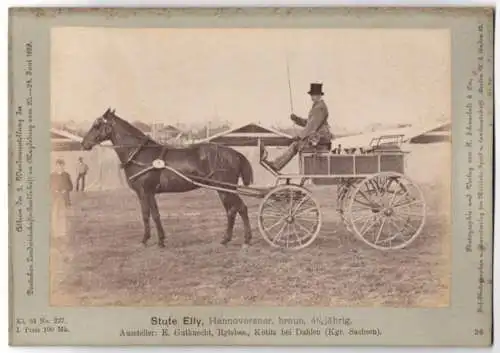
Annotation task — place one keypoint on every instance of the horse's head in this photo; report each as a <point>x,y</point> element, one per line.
<point>101,130</point>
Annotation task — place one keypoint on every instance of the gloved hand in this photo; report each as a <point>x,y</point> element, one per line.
<point>293,117</point>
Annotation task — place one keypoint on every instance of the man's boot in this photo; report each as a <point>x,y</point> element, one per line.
<point>280,162</point>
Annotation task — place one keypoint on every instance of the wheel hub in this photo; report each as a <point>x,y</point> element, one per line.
<point>289,219</point>
<point>388,212</point>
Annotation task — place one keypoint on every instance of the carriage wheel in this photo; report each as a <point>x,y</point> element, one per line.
<point>343,196</point>
<point>387,211</point>
<point>289,217</point>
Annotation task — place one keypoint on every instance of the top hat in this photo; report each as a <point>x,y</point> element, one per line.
<point>316,89</point>
<point>60,161</point>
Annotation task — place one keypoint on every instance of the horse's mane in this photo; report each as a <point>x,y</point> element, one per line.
<point>131,128</point>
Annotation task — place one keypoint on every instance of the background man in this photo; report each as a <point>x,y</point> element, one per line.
<point>316,132</point>
<point>81,171</point>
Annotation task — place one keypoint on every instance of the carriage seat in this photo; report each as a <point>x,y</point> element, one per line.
<point>317,149</point>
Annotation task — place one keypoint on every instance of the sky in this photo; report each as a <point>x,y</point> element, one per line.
<point>369,76</point>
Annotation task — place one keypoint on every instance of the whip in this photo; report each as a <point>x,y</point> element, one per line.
<point>290,90</point>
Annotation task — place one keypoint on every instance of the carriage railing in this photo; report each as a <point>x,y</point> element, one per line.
<point>395,140</point>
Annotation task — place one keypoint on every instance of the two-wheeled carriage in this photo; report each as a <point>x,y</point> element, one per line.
<point>375,200</point>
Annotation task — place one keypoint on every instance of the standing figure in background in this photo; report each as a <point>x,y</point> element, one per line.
<point>60,184</point>
<point>81,172</point>
<point>316,132</point>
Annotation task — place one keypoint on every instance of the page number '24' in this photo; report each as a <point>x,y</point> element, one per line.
<point>478,332</point>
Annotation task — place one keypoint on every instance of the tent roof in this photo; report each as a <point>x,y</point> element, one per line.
<point>60,135</point>
<point>255,130</point>
<point>408,133</point>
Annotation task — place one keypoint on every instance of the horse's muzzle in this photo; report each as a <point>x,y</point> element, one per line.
<point>86,146</point>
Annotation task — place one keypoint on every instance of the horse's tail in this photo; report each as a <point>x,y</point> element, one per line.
<point>246,171</point>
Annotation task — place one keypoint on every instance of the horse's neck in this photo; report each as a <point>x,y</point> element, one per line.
<point>126,143</point>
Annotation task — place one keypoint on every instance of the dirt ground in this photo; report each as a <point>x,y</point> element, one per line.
<point>99,260</point>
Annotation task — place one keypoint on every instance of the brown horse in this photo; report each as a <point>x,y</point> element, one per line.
<point>137,152</point>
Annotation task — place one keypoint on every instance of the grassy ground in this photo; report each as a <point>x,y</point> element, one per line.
<point>100,261</point>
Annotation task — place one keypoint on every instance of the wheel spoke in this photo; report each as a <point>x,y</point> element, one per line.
<point>299,239</point>
<point>406,222</point>
<point>362,217</point>
<point>394,219</point>
<point>367,205</point>
<point>278,236</point>
<point>399,231</point>
<point>276,205</point>
<point>308,232</point>
<point>299,204</point>
<point>408,204</point>
<point>287,234</point>
<point>366,223</point>
<point>380,230</point>
<point>275,224</point>
<point>308,221</point>
<point>389,182</point>
<point>363,231</point>
<point>399,198</point>
<point>306,210</point>
<point>410,214</point>
<point>392,199</point>
<point>394,234</point>
<point>274,213</point>
<point>361,193</point>
<point>360,209</point>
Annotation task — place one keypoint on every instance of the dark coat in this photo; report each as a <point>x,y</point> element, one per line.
<point>60,182</point>
<point>316,128</point>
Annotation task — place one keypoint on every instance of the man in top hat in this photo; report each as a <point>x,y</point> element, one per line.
<point>316,132</point>
<point>60,183</point>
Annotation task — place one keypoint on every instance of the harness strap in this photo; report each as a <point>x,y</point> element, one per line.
<point>132,156</point>
<point>163,153</point>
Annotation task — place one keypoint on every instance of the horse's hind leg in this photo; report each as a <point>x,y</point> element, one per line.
<point>156,218</point>
<point>231,211</point>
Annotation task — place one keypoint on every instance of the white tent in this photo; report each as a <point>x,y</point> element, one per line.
<point>104,166</point>
<point>407,133</point>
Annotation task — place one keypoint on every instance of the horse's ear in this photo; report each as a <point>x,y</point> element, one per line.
<point>107,110</point>
<point>113,111</point>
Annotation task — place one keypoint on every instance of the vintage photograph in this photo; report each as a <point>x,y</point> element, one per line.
<point>250,166</point>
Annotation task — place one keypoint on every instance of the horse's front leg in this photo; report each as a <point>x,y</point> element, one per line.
<point>145,209</point>
<point>155,213</point>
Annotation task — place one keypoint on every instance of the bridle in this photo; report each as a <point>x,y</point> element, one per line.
<point>157,163</point>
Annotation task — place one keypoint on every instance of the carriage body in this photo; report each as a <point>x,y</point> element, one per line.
<point>352,165</point>
<point>384,154</point>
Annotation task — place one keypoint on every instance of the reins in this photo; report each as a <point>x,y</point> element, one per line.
<point>157,164</point>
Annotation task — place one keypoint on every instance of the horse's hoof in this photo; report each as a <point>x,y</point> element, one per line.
<point>161,245</point>
<point>245,247</point>
<point>144,243</point>
<point>224,241</point>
